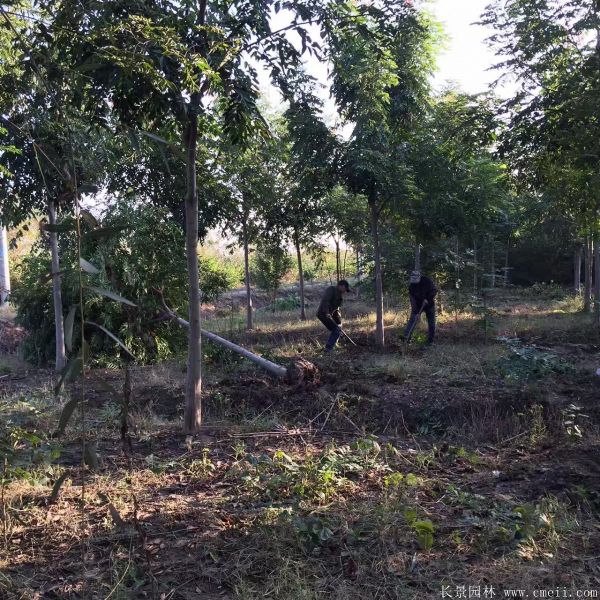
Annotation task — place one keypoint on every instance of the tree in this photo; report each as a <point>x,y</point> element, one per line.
<point>252,181</point>
<point>553,49</point>
<point>380,83</point>
<point>184,66</point>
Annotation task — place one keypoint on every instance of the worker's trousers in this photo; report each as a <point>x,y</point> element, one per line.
<point>414,317</point>
<point>335,331</point>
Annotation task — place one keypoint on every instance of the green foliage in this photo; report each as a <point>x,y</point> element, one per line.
<point>217,278</point>
<point>145,256</point>
<point>25,452</point>
<point>528,363</point>
<point>312,531</point>
<point>423,529</point>
<point>270,265</point>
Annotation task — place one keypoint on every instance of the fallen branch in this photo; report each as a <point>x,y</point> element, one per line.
<point>299,371</point>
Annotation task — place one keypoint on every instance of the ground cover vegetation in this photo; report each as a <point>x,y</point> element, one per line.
<point>158,196</point>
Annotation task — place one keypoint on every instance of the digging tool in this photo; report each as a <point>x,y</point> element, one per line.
<point>348,338</point>
<point>417,318</point>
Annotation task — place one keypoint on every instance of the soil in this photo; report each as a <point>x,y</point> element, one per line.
<point>391,473</point>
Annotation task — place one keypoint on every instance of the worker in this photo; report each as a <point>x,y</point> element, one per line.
<point>329,312</point>
<point>422,292</point>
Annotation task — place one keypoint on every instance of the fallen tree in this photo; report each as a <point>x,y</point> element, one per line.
<point>300,369</point>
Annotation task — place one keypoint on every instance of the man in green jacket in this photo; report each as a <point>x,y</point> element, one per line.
<point>329,312</point>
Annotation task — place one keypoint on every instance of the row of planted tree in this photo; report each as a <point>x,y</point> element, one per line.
<point>156,105</point>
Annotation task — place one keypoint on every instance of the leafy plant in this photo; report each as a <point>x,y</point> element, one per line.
<point>312,531</point>
<point>527,362</point>
<point>423,529</point>
<point>271,264</point>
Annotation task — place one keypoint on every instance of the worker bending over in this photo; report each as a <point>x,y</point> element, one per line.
<point>422,292</point>
<point>329,312</point>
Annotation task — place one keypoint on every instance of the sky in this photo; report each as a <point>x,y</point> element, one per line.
<point>467,58</point>
<point>464,61</point>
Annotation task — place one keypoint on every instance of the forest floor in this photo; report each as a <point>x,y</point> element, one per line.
<point>461,470</point>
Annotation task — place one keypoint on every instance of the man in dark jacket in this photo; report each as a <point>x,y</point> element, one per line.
<point>422,293</point>
<point>329,311</point>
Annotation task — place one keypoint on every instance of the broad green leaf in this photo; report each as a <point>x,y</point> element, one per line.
<point>89,218</point>
<point>69,322</point>
<point>155,137</point>
<point>133,138</point>
<point>106,386</point>
<point>111,295</point>
<point>104,232</point>
<point>64,227</point>
<point>65,415</point>
<point>88,188</point>
<point>88,267</point>
<point>112,336</point>
<point>73,369</point>
<point>48,276</point>
<point>56,487</point>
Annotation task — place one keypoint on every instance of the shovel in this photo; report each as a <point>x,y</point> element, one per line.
<point>348,338</point>
<point>412,329</point>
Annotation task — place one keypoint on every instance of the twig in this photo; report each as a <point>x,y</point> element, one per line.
<point>335,401</point>
<point>258,434</point>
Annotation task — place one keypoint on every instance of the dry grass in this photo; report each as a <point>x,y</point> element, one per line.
<point>287,495</point>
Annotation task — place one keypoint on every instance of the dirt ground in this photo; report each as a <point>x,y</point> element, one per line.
<point>466,469</point>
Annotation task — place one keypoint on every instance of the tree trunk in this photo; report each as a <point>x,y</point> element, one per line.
<point>493,265</point>
<point>271,367</point>
<point>192,417</point>
<point>379,329</point>
<point>506,262</point>
<point>300,276</point>
<point>577,271</point>
<point>338,266</point>
<point>417,256</point>
<point>358,273</point>
<point>587,286</point>
<point>458,282</point>
<point>60,360</point>
<point>596,279</point>
<point>474,268</point>
<point>4,268</point>
<point>249,313</point>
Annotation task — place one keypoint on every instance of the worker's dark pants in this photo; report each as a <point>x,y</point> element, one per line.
<point>334,328</point>
<point>414,316</point>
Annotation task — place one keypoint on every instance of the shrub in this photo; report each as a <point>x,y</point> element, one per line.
<point>271,264</point>
<point>148,254</point>
<point>217,278</point>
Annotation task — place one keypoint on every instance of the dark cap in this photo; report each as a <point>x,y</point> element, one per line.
<point>345,284</point>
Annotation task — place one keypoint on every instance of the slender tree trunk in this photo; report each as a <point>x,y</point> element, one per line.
<point>344,263</point>
<point>249,313</point>
<point>338,267</point>
<point>577,271</point>
<point>506,262</point>
<point>458,282</point>
<point>474,268</point>
<point>587,286</point>
<point>379,329</point>
<point>358,273</point>
<point>493,265</point>
<point>300,276</point>
<point>596,279</point>
<point>4,268</point>
<point>192,417</point>
<point>417,256</point>
<point>59,328</point>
